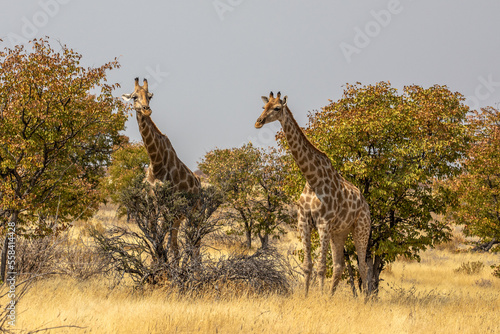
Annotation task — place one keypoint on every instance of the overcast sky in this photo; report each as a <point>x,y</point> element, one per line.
<point>209,61</point>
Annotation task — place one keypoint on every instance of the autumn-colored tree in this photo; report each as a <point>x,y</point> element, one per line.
<point>251,182</point>
<point>478,188</point>
<point>58,125</point>
<point>393,147</point>
<point>128,163</point>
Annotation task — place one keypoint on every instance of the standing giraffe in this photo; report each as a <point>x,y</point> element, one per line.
<point>164,165</point>
<point>328,202</point>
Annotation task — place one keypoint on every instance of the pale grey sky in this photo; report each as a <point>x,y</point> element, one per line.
<point>209,61</point>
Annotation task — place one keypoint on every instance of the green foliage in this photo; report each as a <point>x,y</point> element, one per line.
<point>252,183</point>
<point>128,163</point>
<point>470,268</point>
<point>478,188</point>
<point>393,147</point>
<point>58,124</point>
<point>272,205</point>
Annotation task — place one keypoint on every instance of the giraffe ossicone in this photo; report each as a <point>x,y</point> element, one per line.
<point>329,203</point>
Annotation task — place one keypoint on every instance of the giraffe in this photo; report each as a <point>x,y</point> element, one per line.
<point>328,202</point>
<point>164,164</point>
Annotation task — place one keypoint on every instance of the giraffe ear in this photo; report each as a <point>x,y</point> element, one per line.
<point>127,97</point>
<point>265,99</point>
<point>285,100</point>
<point>150,95</point>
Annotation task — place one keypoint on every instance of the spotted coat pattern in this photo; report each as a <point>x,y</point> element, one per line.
<point>328,203</point>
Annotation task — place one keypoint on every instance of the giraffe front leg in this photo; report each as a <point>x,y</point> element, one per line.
<point>323,239</point>
<point>305,233</point>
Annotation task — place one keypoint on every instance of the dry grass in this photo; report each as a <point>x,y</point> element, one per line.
<point>426,297</point>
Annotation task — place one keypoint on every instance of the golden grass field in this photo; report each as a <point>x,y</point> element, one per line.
<point>425,297</point>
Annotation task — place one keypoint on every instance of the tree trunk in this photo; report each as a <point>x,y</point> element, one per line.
<point>375,267</point>
<point>351,273</point>
<point>3,261</point>
<point>485,247</point>
<point>264,241</point>
<point>249,238</point>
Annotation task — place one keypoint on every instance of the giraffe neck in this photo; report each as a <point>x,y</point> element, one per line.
<point>164,165</point>
<point>313,163</point>
<point>153,140</point>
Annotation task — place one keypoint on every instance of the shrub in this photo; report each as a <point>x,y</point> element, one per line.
<point>145,251</point>
<point>496,270</point>
<point>264,272</point>
<point>470,268</point>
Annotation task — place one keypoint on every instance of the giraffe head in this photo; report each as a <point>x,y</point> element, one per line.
<point>141,97</point>
<point>273,109</point>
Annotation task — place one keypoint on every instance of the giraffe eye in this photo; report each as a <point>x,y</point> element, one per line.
<point>277,108</point>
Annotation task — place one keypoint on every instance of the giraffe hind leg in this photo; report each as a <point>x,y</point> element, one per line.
<point>337,242</point>
<point>324,238</point>
<point>361,236</point>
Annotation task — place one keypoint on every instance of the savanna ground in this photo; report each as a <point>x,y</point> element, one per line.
<point>426,297</point>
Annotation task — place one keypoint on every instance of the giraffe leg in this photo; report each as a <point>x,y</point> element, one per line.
<point>305,233</point>
<point>361,236</point>
<point>337,243</point>
<point>323,238</point>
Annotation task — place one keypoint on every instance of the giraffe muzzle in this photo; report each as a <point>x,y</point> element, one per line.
<point>259,123</point>
<point>145,110</point>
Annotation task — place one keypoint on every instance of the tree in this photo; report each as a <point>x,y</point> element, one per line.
<point>233,171</point>
<point>478,188</point>
<point>393,147</point>
<point>128,162</point>
<point>251,182</point>
<point>58,125</point>
<point>272,205</point>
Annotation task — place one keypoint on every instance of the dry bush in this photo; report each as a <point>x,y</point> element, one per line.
<point>39,256</point>
<point>470,268</point>
<point>128,252</point>
<point>146,250</point>
<point>496,270</point>
<point>146,256</point>
<point>80,261</point>
<point>36,256</point>
<point>411,296</point>
<point>484,283</point>
<point>19,289</point>
<point>264,272</point>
